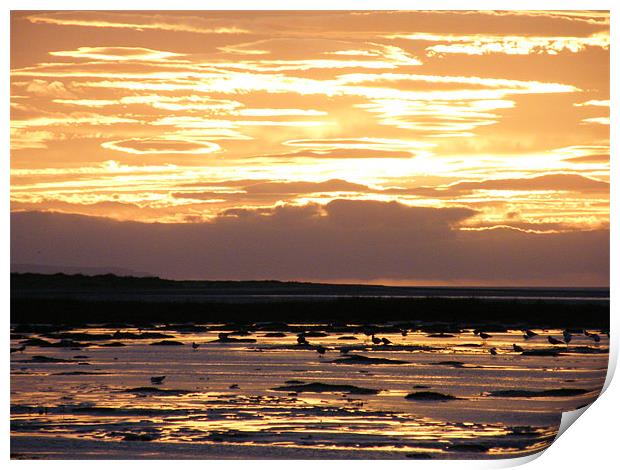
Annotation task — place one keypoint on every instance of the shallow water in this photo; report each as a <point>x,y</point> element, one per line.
<point>221,399</point>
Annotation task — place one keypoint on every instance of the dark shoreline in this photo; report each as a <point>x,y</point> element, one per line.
<point>79,300</point>
<point>110,284</point>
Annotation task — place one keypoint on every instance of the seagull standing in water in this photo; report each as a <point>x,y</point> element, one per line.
<point>158,380</point>
<point>493,351</point>
<point>375,340</point>
<point>195,345</point>
<point>484,335</point>
<point>567,336</point>
<point>553,340</point>
<point>517,348</point>
<point>527,334</point>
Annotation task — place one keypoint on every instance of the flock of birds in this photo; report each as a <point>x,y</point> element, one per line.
<point>528,334</point>
<point>303,341</point>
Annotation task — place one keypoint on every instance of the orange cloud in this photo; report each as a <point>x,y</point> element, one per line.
<point>136,21</point>
<point>552,182</point>
<point>145,146</point>
<point>359,143</point>
<point>480,44</point>
<point>116,53</point>
<point>43,88</point>
<point>597,120</point>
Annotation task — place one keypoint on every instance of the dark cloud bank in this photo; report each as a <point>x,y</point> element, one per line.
<point>343,240</point>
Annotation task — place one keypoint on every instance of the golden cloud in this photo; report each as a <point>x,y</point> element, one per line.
<point>145,146</point>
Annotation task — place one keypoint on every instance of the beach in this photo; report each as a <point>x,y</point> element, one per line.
<point>256,391</point>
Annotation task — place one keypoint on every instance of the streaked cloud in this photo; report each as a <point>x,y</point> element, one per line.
<point>359,143</point>
<point>480,44</point>
<point>552,182</point>
<point>71,119</point>
<point>53,89</point>
<point>346,152</point>
<point>116,53</point>
<point>263,112</point>
<point>153,146</point>
<point>597,120</point>
<point>593,103</point>
<point>136,21</point>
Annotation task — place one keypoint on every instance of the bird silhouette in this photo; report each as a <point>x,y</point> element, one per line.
<point>301,339</point>
<point>368,331</point>
<point>553,340</point>
<point>567,336</point>
<point>527,334</point>
<point>517,348</point>
<point>19,349</point>
<point>195,345</point>
<point>157,380</point>
<point>375,340</point>
<point>321,350</point>
<point>385,341</point>
<point>493,351</point>
<point>593,336</point>
<point>484,335</point>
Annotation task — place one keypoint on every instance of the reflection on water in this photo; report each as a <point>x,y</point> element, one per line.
<point>295,391</point>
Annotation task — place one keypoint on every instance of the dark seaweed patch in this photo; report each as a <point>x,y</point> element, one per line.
<point>552,352</point>
<point>478,448</point>
<point>457,364</point>
<point>555,392</point>
<point>46,359</point>
<point>78,372</point>
<point>155,391</point>
<point>359,359</point>
<point>318,387</point>
<point>430,396</point>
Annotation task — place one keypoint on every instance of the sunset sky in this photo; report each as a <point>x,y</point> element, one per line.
<point>436,147</point>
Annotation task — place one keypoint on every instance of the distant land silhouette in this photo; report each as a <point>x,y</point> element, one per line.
<point>108,280</point>
<point>87,270</point>
<point>78,299</point>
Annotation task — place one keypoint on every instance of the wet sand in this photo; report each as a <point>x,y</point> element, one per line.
<point>86,392</point>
